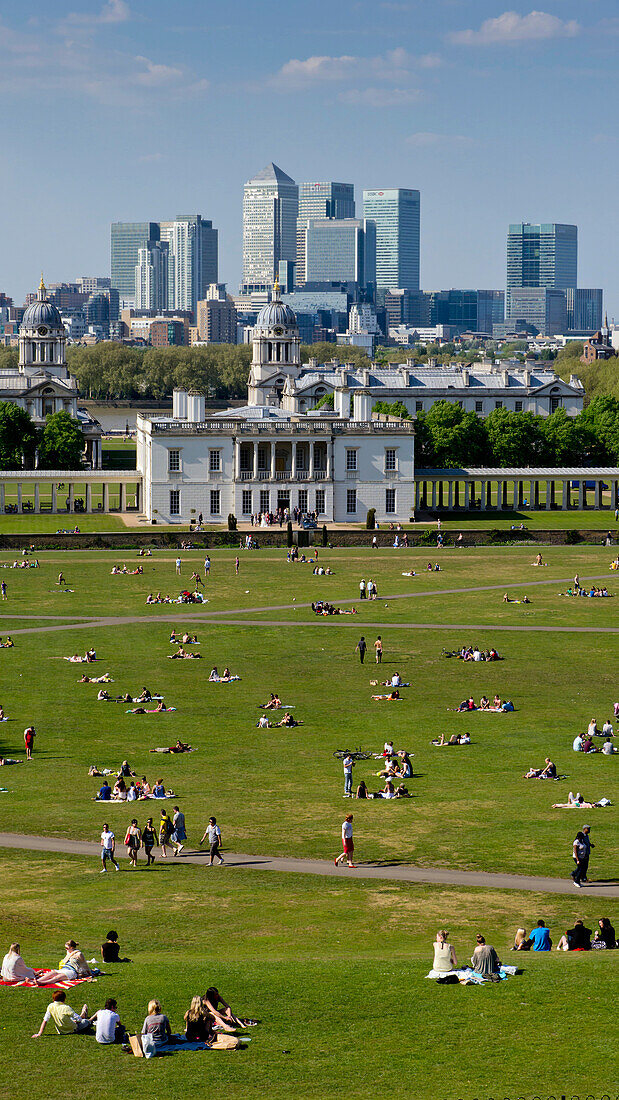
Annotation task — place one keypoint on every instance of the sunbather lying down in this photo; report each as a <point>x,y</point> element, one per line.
<point>577,802</point>
<point>392,697</point>
<point>5,760</point>
<point>105,679</point>
<point>181,654</point>
<point>178,747</point>
<point>159,709</point>
<point>455,739</point>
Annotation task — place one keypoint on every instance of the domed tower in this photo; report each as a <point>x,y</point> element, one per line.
<point>42,337</point>
<point>276,354</point>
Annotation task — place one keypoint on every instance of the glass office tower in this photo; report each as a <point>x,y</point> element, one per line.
<point>544,255</point>
<point>341,250</point>
<point>320,200</point>
<point>126,239</point>
<point>397,216</point>
<point>270,208</point>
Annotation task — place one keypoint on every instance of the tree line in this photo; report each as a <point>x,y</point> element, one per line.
<point>59,445</point>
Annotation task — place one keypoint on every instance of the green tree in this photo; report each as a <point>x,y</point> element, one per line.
<point>449,436</point>
<point>515,439</point>
<point>602,417</point>
<point>396,408</point>
<point>325,352</point>
<point>18,437</point>
<point>62,443</point>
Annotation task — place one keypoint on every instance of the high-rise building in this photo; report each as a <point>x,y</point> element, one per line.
<point>397,215</point>
<point>151,276</point>
<point>88,284</point>
<point>320,200</point>
<point>341,250</point>
<point>216,317</point>
<point>584,309</point>
<point>192,259</point>
<point>541,255</point>
<point>270,208</point>
<point>490,310</point>
<point>125,240</point>
<point>541,306</point>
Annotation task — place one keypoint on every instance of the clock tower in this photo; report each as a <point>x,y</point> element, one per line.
<point>276,352</point>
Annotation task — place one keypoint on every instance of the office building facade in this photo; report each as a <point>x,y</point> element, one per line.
<point>396,213</point>
<point>320,200</point>
<point>584,309</point>
<point>341,250</point>
<point>270,209</point>
<point>216,317</point>
<point>192,259</point>
<point>151,276</point>
<point>126,238</point>
<point>543,307</point>
<point>541,255</point>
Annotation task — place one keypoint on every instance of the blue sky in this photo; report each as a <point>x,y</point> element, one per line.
<point>128,110</point>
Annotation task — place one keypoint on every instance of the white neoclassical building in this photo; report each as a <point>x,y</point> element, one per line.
<point>268,456</point>
<point>41,384</point>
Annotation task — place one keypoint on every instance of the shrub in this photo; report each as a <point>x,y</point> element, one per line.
<point>370,521</point>
<point>324,534</point>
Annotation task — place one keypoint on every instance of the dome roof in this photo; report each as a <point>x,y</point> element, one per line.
<point>42,313</point>
<point>276,313</point>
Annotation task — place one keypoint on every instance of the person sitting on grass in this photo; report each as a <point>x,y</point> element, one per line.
<point>444,954</point>
<point>287,720</point>
<point>159,790</point>
<point>73,966</point>
<point>467,704</point>
<point>105,793</point>
<point>605,934</point>
<point>214,675</point>
<point>14,968</point>
<point>539,938</point>
<point>577,938</point>
<point>199,1022</point>
<point>484,703</point>
<point>521,940</point>
<point>263,722</point>
<point>485,960</point>
<point>108,1026</point>
<point>608,748</point>
<point>222,1013</point>
<point>110,950</point>
<point>66,1021</point>
<point>549,771</point>
<point>157,1026</point>
<point>362,790</point>
<point>274,703</point>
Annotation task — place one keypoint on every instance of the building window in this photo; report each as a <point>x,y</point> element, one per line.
<point>214,461</point>
<point>265,503</point>
<point>175,502</point>
<point>518,406</point>
<point>351,459</point>
<point>555,403</point>
<point>418,406</point>
<point>303,500</point>
<point>389,460</point>
<point>174,461</point>
<point>351,502</point>
<point>320,502</point>
<point>215,505</point>
<point>498,404</point>
<point>389,501</point>
<point>479,406</point>
<point>247,502</point>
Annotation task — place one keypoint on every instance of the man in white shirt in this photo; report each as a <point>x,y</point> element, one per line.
<point>476,654</point>
<point>388,748</point>
<point>348,767</point>
<point>108,843</point>
<point>577,745</point>
<point>361,590</point>
<point>607,729</point>
<point>108,1026</point>
<point>178,567</point>
<point>214,838</point>
<point>608,748</point>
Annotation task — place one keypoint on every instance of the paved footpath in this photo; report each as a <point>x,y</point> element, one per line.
<point>390,870</point>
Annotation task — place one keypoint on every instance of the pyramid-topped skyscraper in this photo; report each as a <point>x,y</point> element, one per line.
<point>270,208</point>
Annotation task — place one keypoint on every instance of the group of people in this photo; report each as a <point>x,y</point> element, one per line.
<point>138,790</point>
<point>592,591</point>
<point>497,704</point>
<point>473,653</point>
<point>323,607</point>
<point>368,591</point>
<point>484,965</point>
<point>117,571</point>
<point>577,938</point>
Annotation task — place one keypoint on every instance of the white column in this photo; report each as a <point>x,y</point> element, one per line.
<point>88,501</point>
<point>581,494</point>
<point>255,474</point>
<point>598,493</point>
<point>482,502</point>
<point>19,506</point>
<point>548,495</point>
<point>236,472</point>
<point>564,498</point>
<point>106,497</point>
<point>272,461</point>
<point>54,497</point>
<point>311,459</point>
<point>37,502</point>
<point>123,497</point>
<point>293,470</point>
<point>329,463</point>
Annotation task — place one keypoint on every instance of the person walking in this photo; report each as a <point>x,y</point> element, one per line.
<point>60,580</point>
<point>207,566</point>
<point>378,649</point>
<point>236,565</point>
<point>347,842</point>
<point>361,646</point>
<point>166,829</point>
<point>579,853</point>
<point>133,843</point>
<point>29,736</point>
<point>370,589</point>
<point>179,834</point>
<point>3,590</point>
<point>178,567</point>
<point>214,838</point>
<point>348,767</point>
<point>108,844</point>
<point>149,840</point>
<point>586,829</point>
<point>361,589</point>
<point>374,542</point>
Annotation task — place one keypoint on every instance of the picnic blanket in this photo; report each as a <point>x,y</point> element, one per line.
<point>467,976</point>
<point>168,710</point>
<point>28,983</point>
<point>218,679</point>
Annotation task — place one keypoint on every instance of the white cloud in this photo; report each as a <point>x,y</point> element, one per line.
<point>430,61</point>
<point>380,97</point>
<point>424,139</point>
<point>154,75</point>
<point>314,69</point>
<point>396,66</point>
<point>113,11</point>
<point>511,27</point>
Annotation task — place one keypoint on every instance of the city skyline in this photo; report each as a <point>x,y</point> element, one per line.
<point>492,116</point>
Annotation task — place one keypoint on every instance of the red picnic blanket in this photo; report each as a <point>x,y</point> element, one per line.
<point>68,983</point>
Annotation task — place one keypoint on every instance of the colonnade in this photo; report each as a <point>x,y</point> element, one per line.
<point>449,493</point>
<point>66,494</point>
<point>311,472</point>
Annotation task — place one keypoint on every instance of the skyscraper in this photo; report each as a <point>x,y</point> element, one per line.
<point>341,250</point>
<point>151,276</point>
<point>397,216</point>
<point>543,255</point>
<point>270,208</point>
<point>192,262</point>
<point>320,200</point>
<point>125,240</point>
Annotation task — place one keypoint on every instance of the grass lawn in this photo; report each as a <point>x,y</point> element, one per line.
<point>30,524</point>
<point>325,964</point>
<point>335,972</point>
